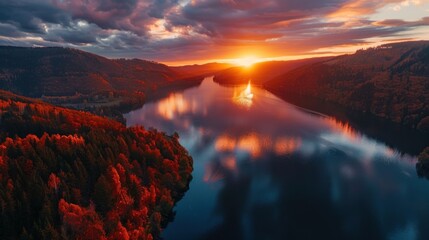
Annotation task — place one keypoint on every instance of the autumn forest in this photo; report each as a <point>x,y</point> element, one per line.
<point>214,119</point>
<point>69,174</point>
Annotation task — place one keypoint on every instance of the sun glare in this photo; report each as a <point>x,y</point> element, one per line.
<point>248,91</point>
<point>246,61</point>
<point>244,97</point>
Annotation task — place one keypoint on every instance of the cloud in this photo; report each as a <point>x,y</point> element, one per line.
<point>77,32</point>
<point>9,30</point>
<point>128,15</point>
<point>401,23</point>
<point>29,16</point>
<point>171,30</point>
<point>222,18</point>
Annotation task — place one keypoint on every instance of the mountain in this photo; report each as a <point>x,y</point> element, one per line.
<point>259,73</point>
<point>67,174</point>
<point>54,71</point>
<point>203,69</point>
<point>390,81</point>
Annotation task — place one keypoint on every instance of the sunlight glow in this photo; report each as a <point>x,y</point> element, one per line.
<point>246,61</point>
<point>248,91</point>
<point>245,97</point>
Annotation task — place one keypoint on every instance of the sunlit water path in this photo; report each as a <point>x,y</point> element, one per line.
<point>266,169</point>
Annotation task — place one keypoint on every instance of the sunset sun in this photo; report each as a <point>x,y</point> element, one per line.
<point>246,61</point>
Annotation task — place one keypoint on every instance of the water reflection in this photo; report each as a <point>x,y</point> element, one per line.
<point>175,104</point>
<point>243,97</point>
<point>255,144</point>
<point>273,171</point>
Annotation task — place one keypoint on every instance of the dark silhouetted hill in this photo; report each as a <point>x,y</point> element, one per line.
<point>259,73</point>
<point>54,71</point>
<point>390,81</point>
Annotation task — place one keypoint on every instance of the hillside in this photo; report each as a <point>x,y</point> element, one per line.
<point>259,73</point>
<point>67,174</point>
<point>203,69</point>
<point>57,71</point>
<point>390,81</point>
<point>54,71</point>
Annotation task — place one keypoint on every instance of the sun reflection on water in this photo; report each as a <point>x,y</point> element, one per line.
<point>244,97</point>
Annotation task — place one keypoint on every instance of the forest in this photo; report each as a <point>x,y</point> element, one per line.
<point>389,81</point>
<point>67,174</point>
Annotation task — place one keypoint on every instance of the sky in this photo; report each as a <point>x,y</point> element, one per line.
<point>196,31</point>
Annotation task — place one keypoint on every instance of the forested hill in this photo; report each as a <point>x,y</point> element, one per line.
<point>66,174</point>
<point>390,81</point>
<point>54,71</point>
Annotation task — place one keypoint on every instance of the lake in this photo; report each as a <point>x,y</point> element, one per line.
<point>267,169</point>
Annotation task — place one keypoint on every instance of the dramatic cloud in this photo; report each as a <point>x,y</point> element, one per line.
<point>188,30</point>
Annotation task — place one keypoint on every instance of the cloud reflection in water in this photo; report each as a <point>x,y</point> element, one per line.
<point>274,171</point>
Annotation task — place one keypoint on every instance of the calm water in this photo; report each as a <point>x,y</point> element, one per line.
<point>266,169</point>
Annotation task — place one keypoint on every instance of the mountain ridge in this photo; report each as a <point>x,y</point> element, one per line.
<point>389,81</point>
<point>56,71</point>
<point>261,72</point>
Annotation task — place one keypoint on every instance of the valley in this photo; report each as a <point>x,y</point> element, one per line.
<point>214,120</point>
<point>71,143</point>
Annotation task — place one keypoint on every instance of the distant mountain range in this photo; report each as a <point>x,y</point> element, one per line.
<point>390,81</point>
<point>259,73</point>
<point>55,71</point>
